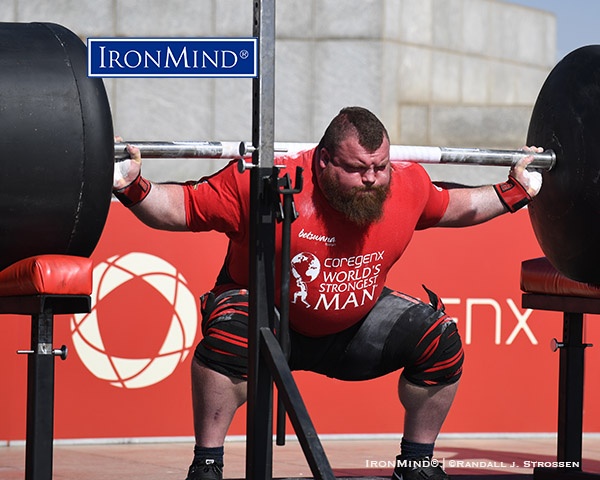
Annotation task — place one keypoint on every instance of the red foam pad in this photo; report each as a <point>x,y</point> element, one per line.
<point>47,274</point>
<point>539,276</point>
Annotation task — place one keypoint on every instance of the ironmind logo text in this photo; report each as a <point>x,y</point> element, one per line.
<point>196,57</point>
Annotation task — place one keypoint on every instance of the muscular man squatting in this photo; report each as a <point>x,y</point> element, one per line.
<point>357,214</point>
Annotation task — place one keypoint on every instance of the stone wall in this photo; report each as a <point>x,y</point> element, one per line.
<point>438,72</point>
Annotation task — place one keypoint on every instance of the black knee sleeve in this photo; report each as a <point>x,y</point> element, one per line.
<point>438,357</point>
<point>224,347</point>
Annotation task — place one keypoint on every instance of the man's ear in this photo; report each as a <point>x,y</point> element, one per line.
<point>324,157</point>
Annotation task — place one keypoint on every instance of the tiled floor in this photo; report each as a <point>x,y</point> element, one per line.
<point>348,458</point>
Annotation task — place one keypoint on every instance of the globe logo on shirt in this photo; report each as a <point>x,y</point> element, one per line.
<point>306,267</point>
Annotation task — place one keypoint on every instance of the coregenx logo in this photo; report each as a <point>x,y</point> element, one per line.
<point>172,57</point>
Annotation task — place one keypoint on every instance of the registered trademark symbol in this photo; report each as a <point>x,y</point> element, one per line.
<point>244,54</point>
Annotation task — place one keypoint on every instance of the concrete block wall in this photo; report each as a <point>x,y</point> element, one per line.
<point>438,72</point>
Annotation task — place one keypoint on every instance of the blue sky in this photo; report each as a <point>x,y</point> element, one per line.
<point>577,22</point>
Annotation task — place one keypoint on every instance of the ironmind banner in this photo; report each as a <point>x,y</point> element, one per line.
<point>173,57</point>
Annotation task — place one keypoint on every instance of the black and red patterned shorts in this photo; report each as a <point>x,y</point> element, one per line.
<point>400,332</point>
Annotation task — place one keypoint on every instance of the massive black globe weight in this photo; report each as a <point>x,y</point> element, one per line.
<point>566,118</point>
<point>56,144</point>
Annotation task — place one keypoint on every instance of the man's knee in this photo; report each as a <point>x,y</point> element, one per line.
<point>439,355</point>
<point>224,347</point>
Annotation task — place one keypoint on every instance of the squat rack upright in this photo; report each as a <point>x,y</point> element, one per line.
<point>266,360</point>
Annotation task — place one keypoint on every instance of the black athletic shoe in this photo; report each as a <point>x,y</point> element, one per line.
<point>207,470</point>
<point>420,469</point>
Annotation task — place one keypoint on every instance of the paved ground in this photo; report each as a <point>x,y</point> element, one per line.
<point>488,457</point>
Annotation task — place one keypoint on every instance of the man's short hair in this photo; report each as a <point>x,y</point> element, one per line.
<point>354,121</point>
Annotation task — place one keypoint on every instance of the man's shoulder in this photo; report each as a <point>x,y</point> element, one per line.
<point>409,172</point>
<point>303,158</point>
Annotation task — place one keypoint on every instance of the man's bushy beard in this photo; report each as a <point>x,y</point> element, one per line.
<point>360,205</point>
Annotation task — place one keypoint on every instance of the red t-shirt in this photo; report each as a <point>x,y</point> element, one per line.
<point>338,269</point>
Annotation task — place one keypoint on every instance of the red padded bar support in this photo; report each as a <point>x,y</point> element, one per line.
<point>43,286</point>
<point>547,289</point>
<point>49,275</point>
<point>539,276</point>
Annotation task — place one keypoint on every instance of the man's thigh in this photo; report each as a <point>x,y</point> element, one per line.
<point>399,332</point>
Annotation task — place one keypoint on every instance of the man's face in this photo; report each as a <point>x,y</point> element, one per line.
<point>356,182</point>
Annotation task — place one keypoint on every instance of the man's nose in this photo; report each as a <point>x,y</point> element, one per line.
<point>368,176</point>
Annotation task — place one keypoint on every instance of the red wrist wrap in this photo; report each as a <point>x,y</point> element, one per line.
<point>133,193</point>
<point>512,194</point>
